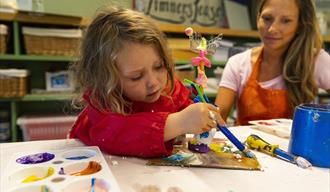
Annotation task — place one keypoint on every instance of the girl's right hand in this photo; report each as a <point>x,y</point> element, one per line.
<point>194,119</point>
<point>198,118</point>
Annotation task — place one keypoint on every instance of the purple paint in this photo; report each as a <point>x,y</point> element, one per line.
<point>35,158</point>
<point>200,148</point>
<point>61,171</point>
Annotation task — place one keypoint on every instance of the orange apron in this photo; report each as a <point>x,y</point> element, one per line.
<point>256,103</point>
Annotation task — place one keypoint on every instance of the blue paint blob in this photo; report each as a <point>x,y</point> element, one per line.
<point>204,135</point>
<point>77,157</point>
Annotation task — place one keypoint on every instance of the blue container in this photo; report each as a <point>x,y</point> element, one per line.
<point>310,134</point>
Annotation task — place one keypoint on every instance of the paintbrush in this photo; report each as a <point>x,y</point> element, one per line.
<point>93,185</point>
<point>235,141</point>
<point>223,128</point>
<point>44,188</point>
<point>255,142</point>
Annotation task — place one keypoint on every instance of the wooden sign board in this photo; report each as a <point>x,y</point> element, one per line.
<point>207,13</point>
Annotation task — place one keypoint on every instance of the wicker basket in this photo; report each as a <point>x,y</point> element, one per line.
<point>3,38</point>
<point>13,82</point>
<point>42,41</point>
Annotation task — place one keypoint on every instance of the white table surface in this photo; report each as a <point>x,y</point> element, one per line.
<point>133,175</point>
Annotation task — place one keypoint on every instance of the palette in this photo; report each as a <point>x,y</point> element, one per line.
<point>78,169</point>
<point>278,127</point>
<point>221,155</point>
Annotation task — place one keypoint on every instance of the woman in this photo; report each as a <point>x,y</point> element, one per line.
<point>287,70</point>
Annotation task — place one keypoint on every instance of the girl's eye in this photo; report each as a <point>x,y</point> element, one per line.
<point>136,78</point>
<point>160,66</point>
<point>266,18</point>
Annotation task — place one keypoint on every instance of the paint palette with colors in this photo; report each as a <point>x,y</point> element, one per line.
<point>278,127</point>
<point>78,169</point>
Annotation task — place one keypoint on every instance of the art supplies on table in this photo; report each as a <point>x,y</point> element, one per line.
<point>221,155</point>
<point>278,127</point>
<point>255,142</point>
<point>78,169</point>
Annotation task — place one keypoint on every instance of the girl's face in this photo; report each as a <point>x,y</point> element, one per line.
<point>143,75</point>
<point>278,23</point>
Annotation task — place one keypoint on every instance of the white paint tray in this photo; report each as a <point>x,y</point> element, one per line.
<point>72,160</point>
<point>278,127</point>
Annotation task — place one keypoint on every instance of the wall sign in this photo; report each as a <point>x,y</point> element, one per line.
<point>208,13</point>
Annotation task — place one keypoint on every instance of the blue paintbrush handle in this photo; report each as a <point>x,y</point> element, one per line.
<point>284,154</point>
<point>231,137</point>
<point>93,185</point>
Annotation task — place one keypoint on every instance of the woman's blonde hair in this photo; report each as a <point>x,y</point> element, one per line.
<point>299,59</point>
<point>96,71</point>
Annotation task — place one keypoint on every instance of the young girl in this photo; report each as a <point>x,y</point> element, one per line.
<point>132,103</point>
<point>269,81</point>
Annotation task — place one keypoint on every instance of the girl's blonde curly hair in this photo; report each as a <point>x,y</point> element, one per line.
<point>96,71</point>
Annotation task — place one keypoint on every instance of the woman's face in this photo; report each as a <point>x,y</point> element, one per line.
<point>142,72</point>
<point>278,23</point>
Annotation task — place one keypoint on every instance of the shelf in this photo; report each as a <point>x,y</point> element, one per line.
<point>13,57</point>
<point>41,97</point>
<point>42,18</point>
<point>216,63</point>
<point>326,38</point>
<point>172,28</point>
<point>47,97</point>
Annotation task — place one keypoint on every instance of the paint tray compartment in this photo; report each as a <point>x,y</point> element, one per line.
<point>72,169</point>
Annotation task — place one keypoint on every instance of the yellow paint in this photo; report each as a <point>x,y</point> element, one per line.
<point>193,141</point>
<point>217,147</point>
<point>33,178</point>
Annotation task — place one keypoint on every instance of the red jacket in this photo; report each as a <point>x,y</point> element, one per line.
<point>139,134</point>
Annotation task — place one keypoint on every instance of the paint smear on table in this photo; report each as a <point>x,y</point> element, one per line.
<point>221,156</point>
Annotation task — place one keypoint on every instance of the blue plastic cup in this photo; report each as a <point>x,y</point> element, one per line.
<point>310,134</point>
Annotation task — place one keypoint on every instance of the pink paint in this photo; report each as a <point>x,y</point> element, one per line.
<point>265,123</point>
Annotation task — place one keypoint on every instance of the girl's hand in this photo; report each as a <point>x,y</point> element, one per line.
<point>196,118</point>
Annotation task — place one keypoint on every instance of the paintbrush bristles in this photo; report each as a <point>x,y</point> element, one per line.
<point>249,153</point>
<point>303,163</point>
